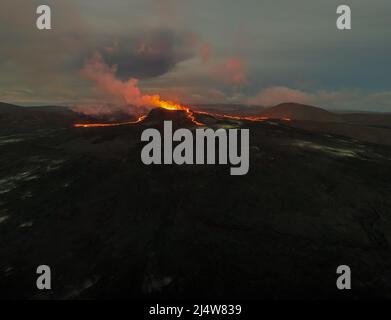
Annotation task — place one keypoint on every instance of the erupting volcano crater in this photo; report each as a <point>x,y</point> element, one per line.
<point>179,117</point>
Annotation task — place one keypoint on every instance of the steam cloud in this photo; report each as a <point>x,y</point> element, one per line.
<point>126,93</point>
<point>231,72</point>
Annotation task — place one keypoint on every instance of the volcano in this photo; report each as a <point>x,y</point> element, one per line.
<point>159,115</point>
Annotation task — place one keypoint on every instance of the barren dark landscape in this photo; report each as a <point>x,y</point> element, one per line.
<point>81,201</point>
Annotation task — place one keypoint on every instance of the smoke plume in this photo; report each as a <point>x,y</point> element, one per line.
<point>231,72</point>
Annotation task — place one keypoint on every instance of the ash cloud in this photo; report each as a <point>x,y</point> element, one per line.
<point>151,53</point>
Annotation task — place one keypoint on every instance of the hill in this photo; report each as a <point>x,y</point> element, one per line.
<point>17,119</point>
<point>295,111</point>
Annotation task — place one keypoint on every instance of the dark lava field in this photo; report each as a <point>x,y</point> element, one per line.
<point>81,201</point>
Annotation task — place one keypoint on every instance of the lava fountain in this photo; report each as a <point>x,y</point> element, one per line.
<point>169,105</point>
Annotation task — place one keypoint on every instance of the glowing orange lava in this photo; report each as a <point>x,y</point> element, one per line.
<point>93,125</point>
<point>169,105</point>
<point>234,117</point>
<point>155,101</point>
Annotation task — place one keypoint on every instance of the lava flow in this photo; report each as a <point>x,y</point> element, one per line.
<point>116,124</point>
<point>169,105</point>
<point>156,101</point>
<point>233,117</point>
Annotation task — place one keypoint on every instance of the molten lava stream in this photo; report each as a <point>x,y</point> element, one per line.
<point>169,105</point>
<point>156,101</point>
<point>94,125</point>
<point>233,117</point>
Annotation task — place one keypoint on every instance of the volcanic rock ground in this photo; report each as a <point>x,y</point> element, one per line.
<point>81,201</point>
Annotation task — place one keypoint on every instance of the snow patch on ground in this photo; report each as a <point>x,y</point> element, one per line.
<point>9,183</point>
<point>334,151</point>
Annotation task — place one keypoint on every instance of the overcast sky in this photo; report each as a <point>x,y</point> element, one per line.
<point>200,51</point>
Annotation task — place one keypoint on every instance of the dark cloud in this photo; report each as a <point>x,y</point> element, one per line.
<point>150,53</point>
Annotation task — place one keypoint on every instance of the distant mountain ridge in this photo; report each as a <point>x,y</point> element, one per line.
<point>296,111</point>
<point>15,118</point>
